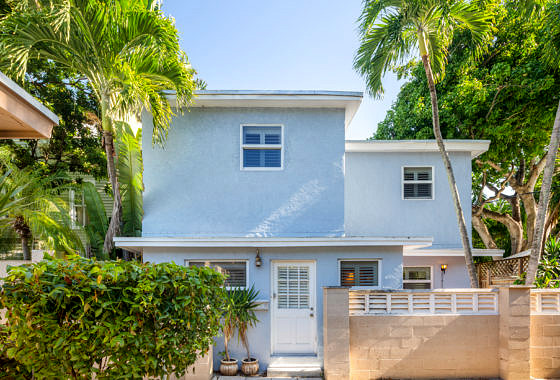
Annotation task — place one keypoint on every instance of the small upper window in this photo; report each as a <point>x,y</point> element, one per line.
<point>359,273</point>
<point>418,183</point>
<point>235,271</point>
<point>417,277</point>
<point>77,208</point>
<point>261,147</point>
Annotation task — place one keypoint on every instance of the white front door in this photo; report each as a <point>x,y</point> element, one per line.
<point>294,326</point>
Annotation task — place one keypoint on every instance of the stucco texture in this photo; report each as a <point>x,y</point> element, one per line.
<point>374,204</point>
<point>194,186</point>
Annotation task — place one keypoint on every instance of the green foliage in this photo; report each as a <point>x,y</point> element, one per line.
<point>239,314</point>
<point>548,272</point>
<point>97,225</point>
<point>392,31</point>
<point>75,144</point>
<point>509,96</point>
<point>31,206</point>
<point>245,305</point>
<point>129,150</point>
<point>78,318</point>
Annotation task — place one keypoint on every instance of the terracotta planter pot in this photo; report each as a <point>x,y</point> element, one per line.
<point>250,366</point>
<point>228,367</point>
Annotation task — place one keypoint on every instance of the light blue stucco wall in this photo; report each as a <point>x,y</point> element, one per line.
<point>194,185</point>
<point>374,204</point>
<point>455,277</point>
<point>327,274</point>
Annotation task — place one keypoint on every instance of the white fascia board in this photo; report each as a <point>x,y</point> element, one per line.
<point>137,243</point>
<point>475,147</point>
<point>452,252</point>
<point>348,100</point>
<point>28,98</point>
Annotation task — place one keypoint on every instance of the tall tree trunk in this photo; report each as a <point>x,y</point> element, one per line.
<point>114,228</point>
<point>538,237</point>
<point>447,163</point>
<point>25,247</point>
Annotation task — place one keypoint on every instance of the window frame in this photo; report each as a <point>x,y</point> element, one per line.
<point>432,182</point>
<point>242,147</point>
<point>72,194</point>
<point>379,273</point>
<point>246,261</point>
<point>431,281</point>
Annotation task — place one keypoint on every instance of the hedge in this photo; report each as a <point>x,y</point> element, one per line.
<point>76,317</point>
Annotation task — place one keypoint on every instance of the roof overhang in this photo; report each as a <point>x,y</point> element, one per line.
<point>21,115</point>
<point>137,244</point>
<point>347,100</point>
<point>453,252</point>
<point>475,147</point>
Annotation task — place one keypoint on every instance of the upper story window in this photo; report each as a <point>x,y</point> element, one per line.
<point>261,147</point>
<point>359,273</point>
<point>418,183</point>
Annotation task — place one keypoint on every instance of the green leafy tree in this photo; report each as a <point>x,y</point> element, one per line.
<point>391,31</point>
<point>552,54</point>
<point>508,96</point>
<point>75,144</point>
<point>31,207</point>
<point>79,318</point>
<point>128,51</point>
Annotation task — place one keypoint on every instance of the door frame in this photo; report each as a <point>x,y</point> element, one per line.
<point>313,303</point>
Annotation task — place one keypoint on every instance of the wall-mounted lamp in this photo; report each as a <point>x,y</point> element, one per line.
<point>443,269</point>
<point>258,261</point>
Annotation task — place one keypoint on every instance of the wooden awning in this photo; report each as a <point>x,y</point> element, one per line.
<point>21,115</point>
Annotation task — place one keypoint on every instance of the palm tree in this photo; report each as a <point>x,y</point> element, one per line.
<point>127,50</point>
<point>391,30</point>
<point>551,22</point>
<point>31,207</point>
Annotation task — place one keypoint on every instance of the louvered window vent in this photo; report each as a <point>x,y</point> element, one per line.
<point>418,183</point>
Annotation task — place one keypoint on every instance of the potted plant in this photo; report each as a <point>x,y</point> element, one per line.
<point>246,318</point>
<point>228,366</point>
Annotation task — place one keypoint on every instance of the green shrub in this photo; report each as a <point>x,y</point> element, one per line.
<point>75,317</point>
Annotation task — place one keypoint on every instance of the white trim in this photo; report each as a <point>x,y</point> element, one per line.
<point>431,281</point>
<point>188,261</point>
<point>348,100</point>
<point>432,182</point>
<point>379,273</point>
<point>451,252</point>
<point>475,147</point>
<point>242,147</point>
<point>136,244</point>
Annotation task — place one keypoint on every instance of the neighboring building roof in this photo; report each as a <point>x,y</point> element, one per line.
<point>136,244</point>
<point>21,115</point>
<point>475,147</point>
<point>349,100</point>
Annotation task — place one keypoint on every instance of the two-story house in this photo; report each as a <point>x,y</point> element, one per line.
<point>263,186</point>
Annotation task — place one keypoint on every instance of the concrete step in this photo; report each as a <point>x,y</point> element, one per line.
<point>295,366</point>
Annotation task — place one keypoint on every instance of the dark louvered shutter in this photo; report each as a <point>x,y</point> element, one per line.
<point>359,273</point>
<point>235,271</point>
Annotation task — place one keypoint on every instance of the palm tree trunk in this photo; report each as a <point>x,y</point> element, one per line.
<point>116,216</point>
<point>25,247</point>
<point>538,237</point>
<point>447,163</point>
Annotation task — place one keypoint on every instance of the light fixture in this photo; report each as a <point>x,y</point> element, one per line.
<point>258,261</point>
<point>443,269</point>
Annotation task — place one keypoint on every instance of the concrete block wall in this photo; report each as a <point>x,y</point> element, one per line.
<point>545,346</point>
<point>511,345</point>
<point>436,346</point>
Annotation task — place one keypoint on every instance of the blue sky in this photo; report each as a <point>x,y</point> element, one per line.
<point>284,45</point>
